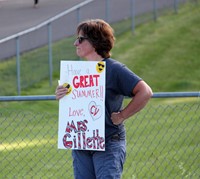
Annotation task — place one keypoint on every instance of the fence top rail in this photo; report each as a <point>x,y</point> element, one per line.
<point>53,97</point>
<point>46,22</point>
<point>176,94</point>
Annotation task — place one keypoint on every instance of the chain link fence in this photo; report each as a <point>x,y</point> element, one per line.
<point>162,142</point>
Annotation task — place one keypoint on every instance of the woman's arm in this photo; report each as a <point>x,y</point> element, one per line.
<point>142,93</point>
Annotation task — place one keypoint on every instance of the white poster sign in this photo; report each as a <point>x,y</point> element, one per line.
<point>82,110</point>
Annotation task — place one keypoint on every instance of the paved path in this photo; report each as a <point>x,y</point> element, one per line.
<point>19,15</point>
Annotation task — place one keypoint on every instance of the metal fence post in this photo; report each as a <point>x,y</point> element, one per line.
<point>108,10</point>
<point>133,15</point>
<point>154,10</point>
<point>78,21</point>
<point>176,6</point>
<point>50,53</point>
<point>78,15</point>
<point>18,65</point>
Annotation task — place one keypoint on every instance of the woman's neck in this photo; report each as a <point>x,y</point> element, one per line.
<point>94,57</point>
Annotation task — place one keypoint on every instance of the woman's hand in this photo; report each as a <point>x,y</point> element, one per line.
<point>60,92</point>
<point>117,118</point>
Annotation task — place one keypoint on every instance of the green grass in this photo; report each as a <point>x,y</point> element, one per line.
<point>166,54</point>
<point>162,140</point>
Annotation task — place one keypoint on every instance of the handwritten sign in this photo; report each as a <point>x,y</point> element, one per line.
<point>82,110</point>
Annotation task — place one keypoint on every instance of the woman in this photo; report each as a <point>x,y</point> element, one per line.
<point>94,43</point>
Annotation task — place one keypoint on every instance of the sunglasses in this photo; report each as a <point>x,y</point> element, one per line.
<point>81,39</point>
<point>100,65</point>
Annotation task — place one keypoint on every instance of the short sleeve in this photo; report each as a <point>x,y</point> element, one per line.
<point>126,79</point>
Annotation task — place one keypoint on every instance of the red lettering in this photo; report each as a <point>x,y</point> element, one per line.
<point>94,110</point>
<point>82,125</point>
<point>82,81</point>
<point>67,144</point>
<point>75,146</point>
<point>76,85</point>
<point>80,141</point>
<point>70,127</point>
<point>96,76</point>
<point>76,112</point>
<point>89,142</point>
<point>85,81</point>
<point>91,81</point>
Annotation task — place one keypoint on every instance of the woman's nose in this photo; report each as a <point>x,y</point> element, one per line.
<point>75,43</point>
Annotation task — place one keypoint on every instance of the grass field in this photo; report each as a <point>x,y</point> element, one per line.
<point>162,140</point>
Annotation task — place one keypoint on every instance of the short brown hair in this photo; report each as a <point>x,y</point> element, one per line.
<point>100,34</point>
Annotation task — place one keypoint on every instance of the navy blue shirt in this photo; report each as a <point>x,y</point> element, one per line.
<point>120,82</point>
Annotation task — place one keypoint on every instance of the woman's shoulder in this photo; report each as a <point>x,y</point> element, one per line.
<point>110,62</point>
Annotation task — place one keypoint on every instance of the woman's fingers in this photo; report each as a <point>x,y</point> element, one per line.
<point>60,91</point>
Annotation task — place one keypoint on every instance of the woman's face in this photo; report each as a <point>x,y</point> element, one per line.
<point>84,49</point>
